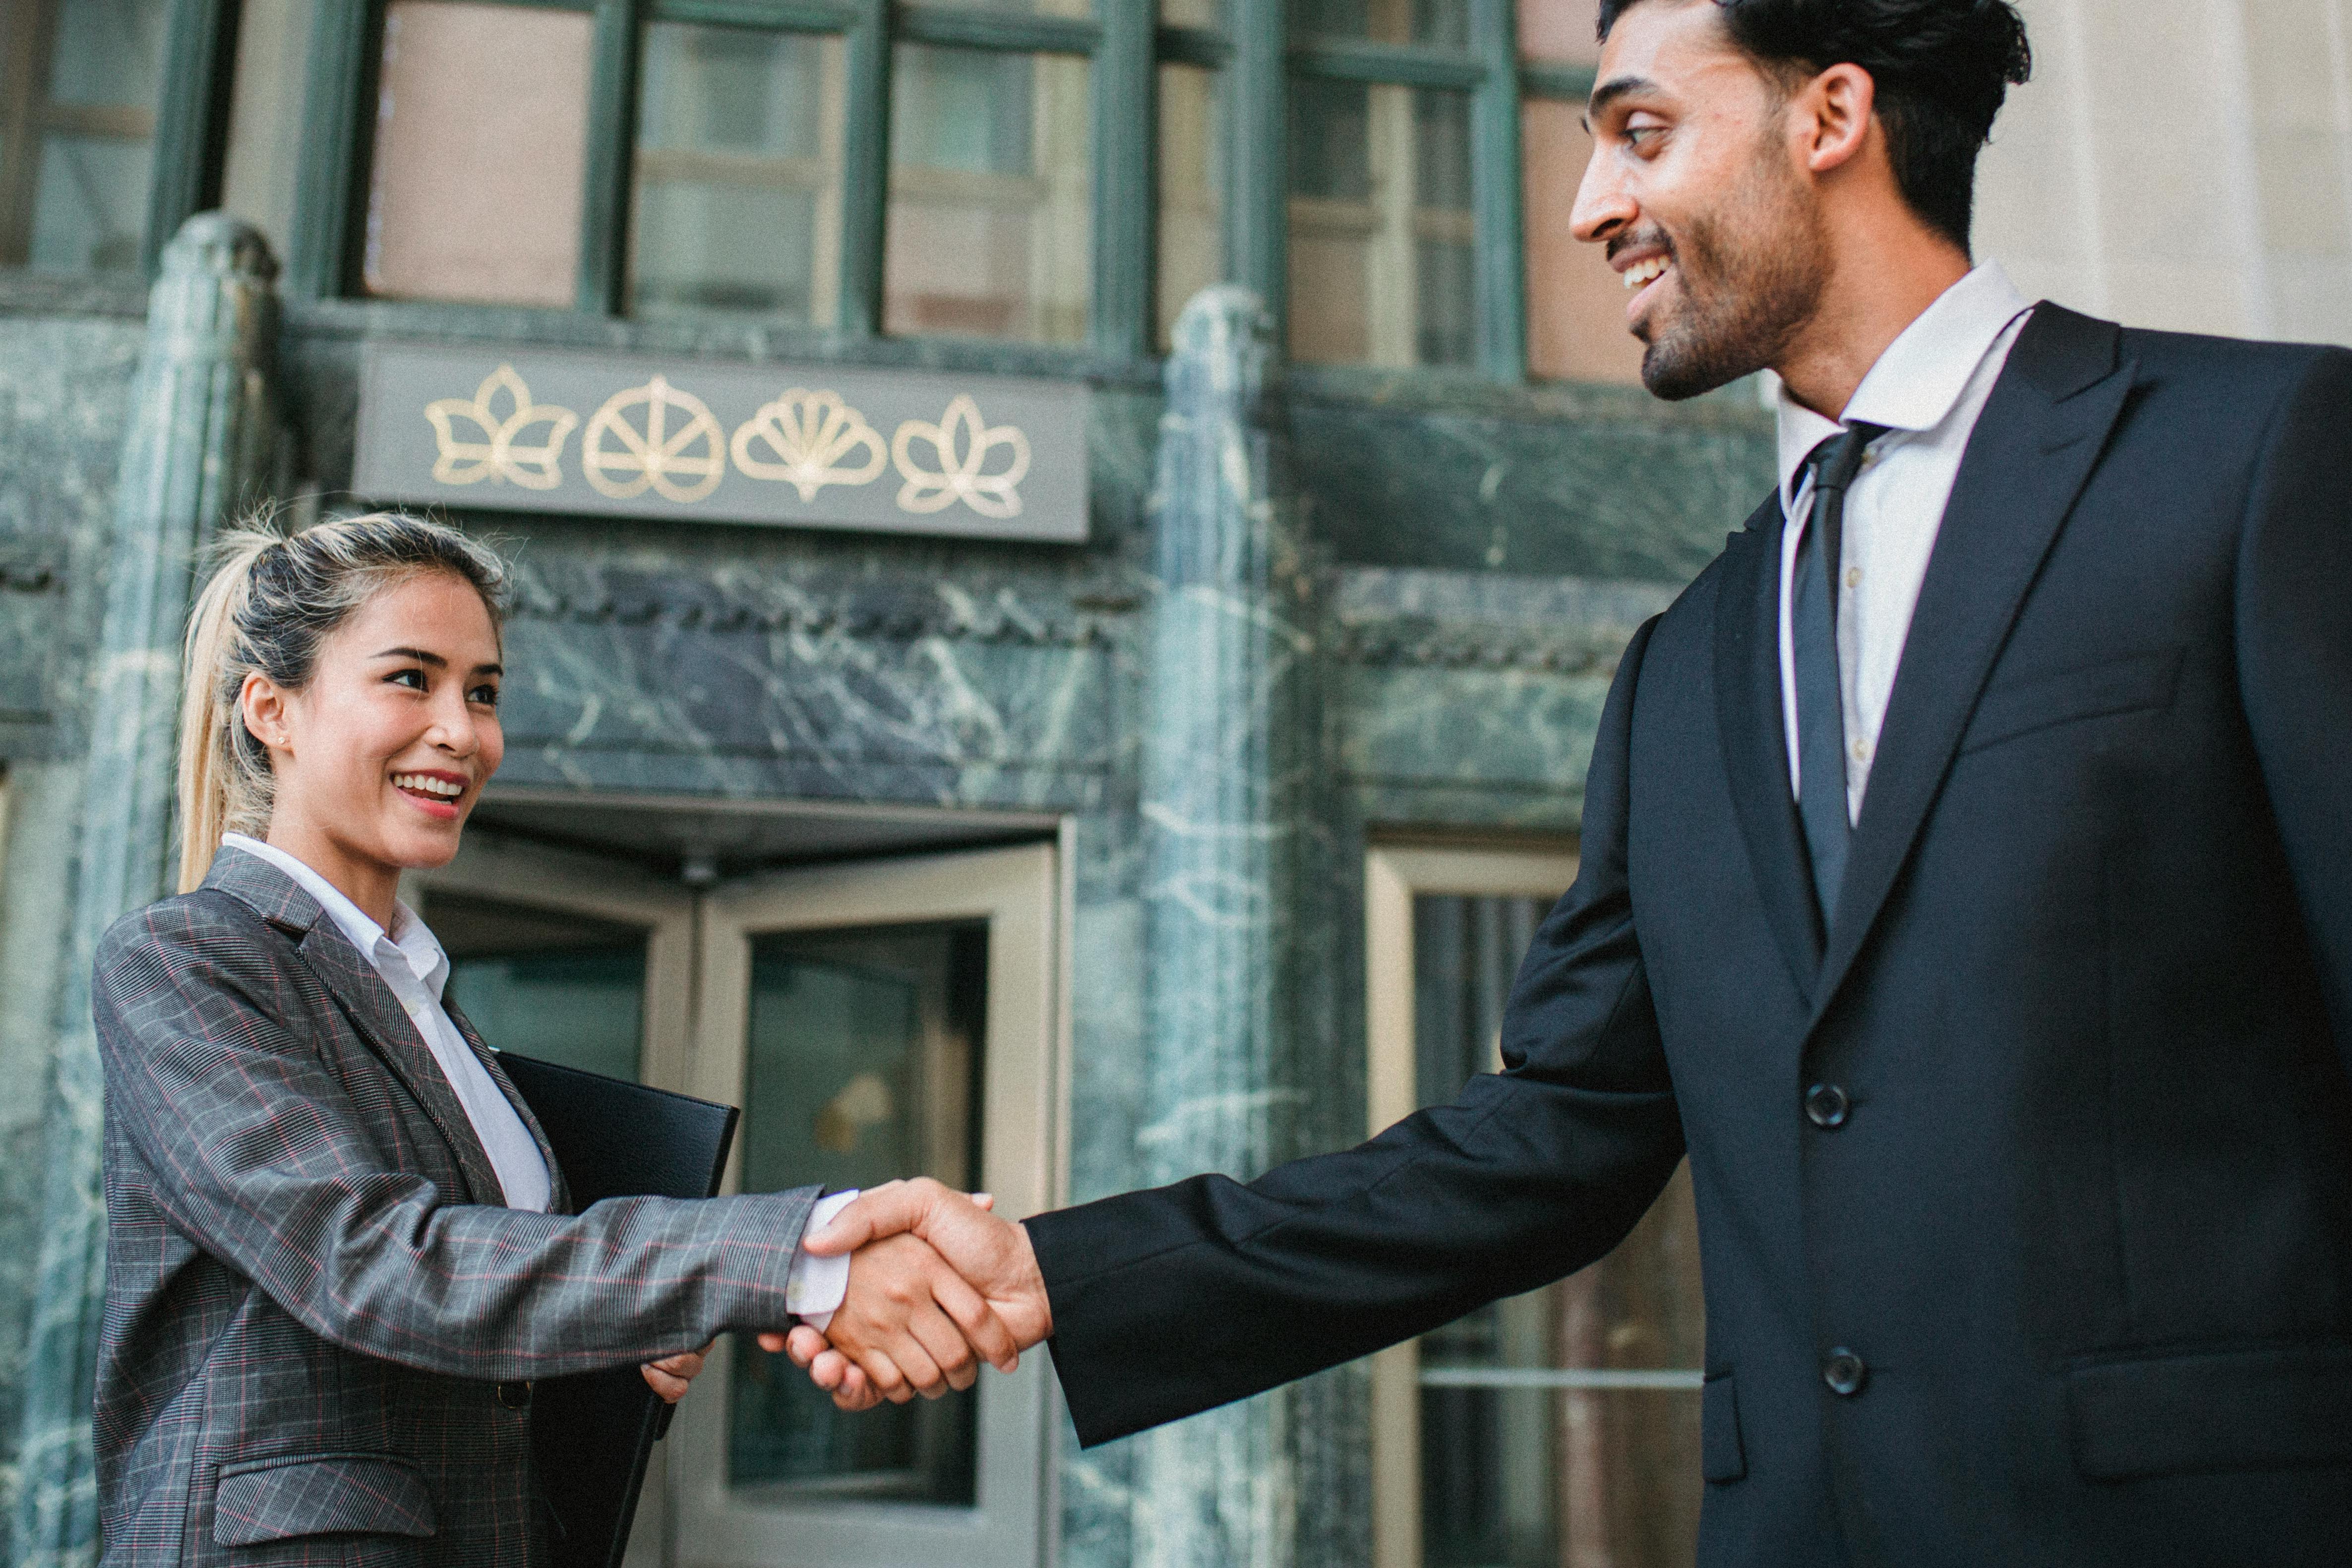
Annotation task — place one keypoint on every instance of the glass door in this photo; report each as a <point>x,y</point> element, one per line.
<point>579,959</point>
<point>1557,1429</point>
<point>875,1020</point>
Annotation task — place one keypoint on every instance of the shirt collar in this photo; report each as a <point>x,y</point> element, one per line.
<point>1919,379</point>
<point>409,937</point>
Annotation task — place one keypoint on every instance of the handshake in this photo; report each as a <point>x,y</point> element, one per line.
<point>937,1285</point>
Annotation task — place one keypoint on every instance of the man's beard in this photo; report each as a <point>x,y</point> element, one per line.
<point>1748,279</point>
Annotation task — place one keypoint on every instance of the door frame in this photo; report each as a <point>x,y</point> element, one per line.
<point>1395,875</point>
<point>1019,892</point>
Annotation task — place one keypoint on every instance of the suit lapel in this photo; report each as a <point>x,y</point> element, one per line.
<point>2034,446</point>
<point>1749,719</point>
<point>384,1024</point>
<point>560,1196</point>
<point>374,1012</point>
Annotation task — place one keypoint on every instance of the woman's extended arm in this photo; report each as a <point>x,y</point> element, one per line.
<point>252,1149</point>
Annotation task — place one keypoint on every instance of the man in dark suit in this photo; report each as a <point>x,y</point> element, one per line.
<point>1966,889</point>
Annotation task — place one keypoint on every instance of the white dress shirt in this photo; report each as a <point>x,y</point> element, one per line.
<point>412,963</point>
<point>1928,389</point>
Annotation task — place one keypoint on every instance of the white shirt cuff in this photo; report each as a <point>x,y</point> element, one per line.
<point>815,1287</point>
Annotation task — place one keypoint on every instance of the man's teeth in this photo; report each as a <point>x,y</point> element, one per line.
<point>425,783</point>
<point>1643,272</point>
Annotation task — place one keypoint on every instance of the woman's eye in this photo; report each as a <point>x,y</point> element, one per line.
<point>486,696</point>
<point>412,679</point>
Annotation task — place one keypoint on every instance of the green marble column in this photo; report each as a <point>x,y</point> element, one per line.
<point>1230,741</point>
<point>197,452</point>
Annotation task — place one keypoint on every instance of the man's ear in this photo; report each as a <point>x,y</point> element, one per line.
<point>1836,109</point>
<point>262,703</point>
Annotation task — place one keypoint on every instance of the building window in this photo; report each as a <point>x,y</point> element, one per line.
<point>78,83</point>
<point>1382,229</point>
<point>1192,227</point>
<point>480,143</point>
<point>990,200</point>
<point>1562,1427</point>
<point>737,197</point>
<point>1576,307</point>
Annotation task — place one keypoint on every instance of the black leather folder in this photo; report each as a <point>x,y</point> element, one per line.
<point>593,1434</point>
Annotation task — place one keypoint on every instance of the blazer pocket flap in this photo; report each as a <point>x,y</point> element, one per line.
<point>1722,1456</point>
<point>2271,1408</point>
<point>316,1494</point>
<point>2021,706</point>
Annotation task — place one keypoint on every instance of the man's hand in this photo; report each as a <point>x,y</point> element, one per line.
<point>993,1254</point>
<point>670,1375</point>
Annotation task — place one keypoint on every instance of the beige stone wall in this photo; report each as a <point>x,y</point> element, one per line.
<point>2182,163</point>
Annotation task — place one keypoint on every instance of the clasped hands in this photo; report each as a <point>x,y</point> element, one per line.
<point>937,1285</point>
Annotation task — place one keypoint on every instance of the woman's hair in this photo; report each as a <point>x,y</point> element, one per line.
<point>273,599</point>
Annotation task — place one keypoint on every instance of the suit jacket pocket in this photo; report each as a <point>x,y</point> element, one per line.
<point>1722,1456</point>
<point>2021,706</point>
<point>318,1494</point>
<point>2269,1407</point>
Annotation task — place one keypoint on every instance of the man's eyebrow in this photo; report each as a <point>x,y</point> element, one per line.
<point>1610,91</point>
<point>418,654</point>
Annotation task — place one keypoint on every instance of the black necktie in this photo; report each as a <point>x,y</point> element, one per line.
<point>1821,701</point>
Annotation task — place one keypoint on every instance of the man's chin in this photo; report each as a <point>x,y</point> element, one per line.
<point>1674,372</point>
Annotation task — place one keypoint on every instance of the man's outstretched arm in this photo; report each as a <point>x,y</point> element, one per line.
<point>1167,1302</point>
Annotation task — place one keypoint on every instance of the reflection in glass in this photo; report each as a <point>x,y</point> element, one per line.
<point>1560,32</point>
<point>1551,1478</point>
<point>1576,305</point>
<point>481,143</point>
<point>1381,268</point>
<point>1440,24</point>
<point>78,81</point>
<point>1192,192</point>
<point>550,983</point>
<point>862,1066</point>
<point>738,173</point>
<point>1029,8</point>
<point>989,231</point>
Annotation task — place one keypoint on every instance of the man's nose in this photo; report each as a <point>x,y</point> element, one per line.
<point>1603,206</point>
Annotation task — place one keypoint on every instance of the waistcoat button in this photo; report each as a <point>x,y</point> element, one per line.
<point>515,1396</point>
<point>1826,1106</point>
<point>1845,1372</point>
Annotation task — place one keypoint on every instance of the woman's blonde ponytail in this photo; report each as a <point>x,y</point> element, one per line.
<point>208,713</point>
<point>270,602</point>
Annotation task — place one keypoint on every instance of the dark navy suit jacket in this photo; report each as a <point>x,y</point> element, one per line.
<point>2081,1205</point>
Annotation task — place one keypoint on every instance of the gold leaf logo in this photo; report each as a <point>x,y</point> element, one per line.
<point>649,457</point>
<point>962,444</point>
<point>811,432</point>
<point>494,453</point>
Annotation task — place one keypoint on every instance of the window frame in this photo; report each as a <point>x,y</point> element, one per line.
<point>189,140</point>
<point>1124,42</point>
<point>1395,874</point>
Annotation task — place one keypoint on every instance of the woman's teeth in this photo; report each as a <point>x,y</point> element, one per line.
<point>425,784</point>
<point>1643,272</point>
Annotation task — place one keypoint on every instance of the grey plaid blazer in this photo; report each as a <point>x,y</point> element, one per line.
<point>317,1328</point>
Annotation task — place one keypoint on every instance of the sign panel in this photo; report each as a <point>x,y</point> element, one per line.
<point>816,447</point>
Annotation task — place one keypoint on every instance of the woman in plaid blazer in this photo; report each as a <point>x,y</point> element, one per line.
<point>322,1316</point>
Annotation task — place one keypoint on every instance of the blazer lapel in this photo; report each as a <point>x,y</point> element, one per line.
<point>384,1024</point>
<point>559,1195</point>
<point>1754,733</point>
<point>2041,435</point>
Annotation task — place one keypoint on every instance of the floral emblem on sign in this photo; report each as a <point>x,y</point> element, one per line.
<point>476,442</point>
<point>684,466</point>
<point>808,434</point>
<point>962,446</point>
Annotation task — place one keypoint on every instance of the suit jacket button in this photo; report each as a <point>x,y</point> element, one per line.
<point>1845,1372</point>
<point>515,1396</point>
<point>1826,1106</point>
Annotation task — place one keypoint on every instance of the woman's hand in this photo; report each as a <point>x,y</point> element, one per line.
<point>670,1375</point>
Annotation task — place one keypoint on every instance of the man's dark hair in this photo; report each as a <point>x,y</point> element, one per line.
<point>1942,67</point>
